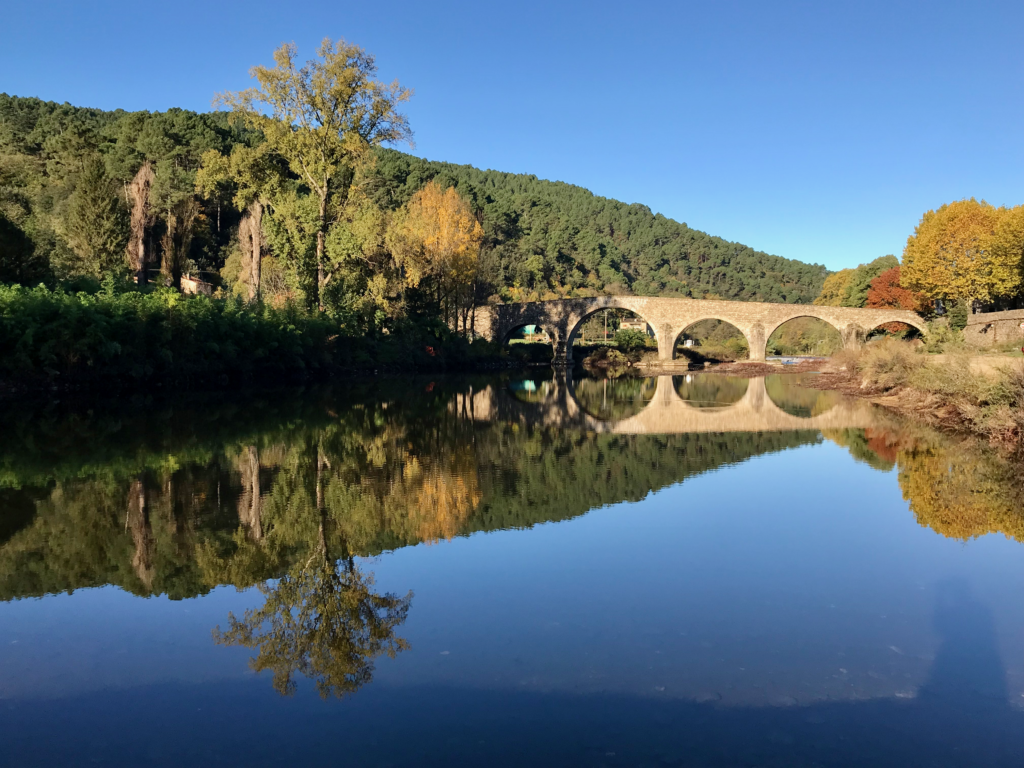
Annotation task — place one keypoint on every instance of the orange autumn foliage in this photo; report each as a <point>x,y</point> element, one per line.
<point>887,293</point>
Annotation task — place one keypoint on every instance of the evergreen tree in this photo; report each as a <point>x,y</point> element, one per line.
<point>96,224</point>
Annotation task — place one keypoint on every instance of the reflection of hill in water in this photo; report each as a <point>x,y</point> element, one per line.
<point>177,501</point>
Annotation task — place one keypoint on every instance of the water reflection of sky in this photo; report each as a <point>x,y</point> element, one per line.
<point>788,608</point>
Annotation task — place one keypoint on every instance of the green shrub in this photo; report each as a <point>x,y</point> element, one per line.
<point>941,338</point>
<point>958,315</point>
<point>628,340</point>
<point>128,338</point>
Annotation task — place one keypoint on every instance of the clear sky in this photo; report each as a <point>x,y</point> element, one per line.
<point>815,130</point>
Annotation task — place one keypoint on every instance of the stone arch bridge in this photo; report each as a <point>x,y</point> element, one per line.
<point>563,318</point>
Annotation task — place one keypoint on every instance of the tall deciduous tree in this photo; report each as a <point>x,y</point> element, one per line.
<point>436,236</point>
<point>949,255</point>
<point>1006,246</point>
<point>887,293</point>
<point>256,175</point>
<point>856,293</point>
<point>849,287</point>
<point>323,118</point>
<point>177,238</point>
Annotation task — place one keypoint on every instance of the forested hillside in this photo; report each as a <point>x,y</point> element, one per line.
<point>545,239</point>
<point>65,174</point>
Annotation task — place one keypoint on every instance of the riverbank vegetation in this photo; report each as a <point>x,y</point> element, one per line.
<point>949,392</point>
<point>122,338</point>
<point>293,208</point>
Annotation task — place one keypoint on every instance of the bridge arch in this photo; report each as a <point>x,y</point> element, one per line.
<point>702,390</point>
<point>578,319</point>
<point>823,350</point>
<point>853,333</point>
<point>734,323</point>
<point>917,326</point>
<point>612,400</point>
<point>786,395</point>
<point>540,335</point>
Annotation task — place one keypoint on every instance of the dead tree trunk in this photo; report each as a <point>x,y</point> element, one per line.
<point>141,220</point>
<point>256,239</point>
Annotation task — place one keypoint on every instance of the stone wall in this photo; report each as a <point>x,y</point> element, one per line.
<point>989,328</point>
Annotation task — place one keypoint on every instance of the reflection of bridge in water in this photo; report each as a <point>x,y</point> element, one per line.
<point>555,404</point>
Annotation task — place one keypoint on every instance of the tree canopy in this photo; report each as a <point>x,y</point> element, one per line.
<point>967,251</point>
<point>62,166</point>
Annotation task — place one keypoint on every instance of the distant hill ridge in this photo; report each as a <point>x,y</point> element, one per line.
<point>552,238</point>
<point>543,239</point>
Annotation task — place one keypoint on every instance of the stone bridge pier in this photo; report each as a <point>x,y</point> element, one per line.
<point>670,318</point>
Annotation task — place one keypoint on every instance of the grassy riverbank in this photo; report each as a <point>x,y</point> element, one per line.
<point>953,391</point>
<point>127,339</point>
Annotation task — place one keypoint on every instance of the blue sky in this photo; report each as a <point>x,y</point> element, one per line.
<point>815,130</point>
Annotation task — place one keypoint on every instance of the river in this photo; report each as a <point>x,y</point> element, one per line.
<point>502,571</point>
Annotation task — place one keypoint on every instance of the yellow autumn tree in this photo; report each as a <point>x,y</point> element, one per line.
<point>1006,246</point>
<point>961,491</point>
<point>445,501</point>
<point>436,239</point>
<point>834,289</point>
<point>950,254</point>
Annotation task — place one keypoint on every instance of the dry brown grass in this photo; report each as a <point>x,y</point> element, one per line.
<point>991,405</point>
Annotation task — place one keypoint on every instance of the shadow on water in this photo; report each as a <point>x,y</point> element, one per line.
<point>960,717</point>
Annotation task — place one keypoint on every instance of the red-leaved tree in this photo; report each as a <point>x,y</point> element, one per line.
<point>886,292</point>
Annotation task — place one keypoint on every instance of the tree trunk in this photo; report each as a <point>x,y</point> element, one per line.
<point>141,221</point>
<point>319,477</point>
<point>256,262</point>
<point>255,512</point>
<point>137,521</point>
<point>321,237</point>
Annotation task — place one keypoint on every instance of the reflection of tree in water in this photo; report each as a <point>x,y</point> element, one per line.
<point>444,503</point>
<point>958,488</point>
<point>394,473</point>
<point>612,399</point>
<point>870,446</point>
<point>790,397</point>
<point>963,491</point>
<point>323,621</point>
<point>710,390</point>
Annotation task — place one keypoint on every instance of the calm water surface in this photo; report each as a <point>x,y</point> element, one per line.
<point>693,570</point>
